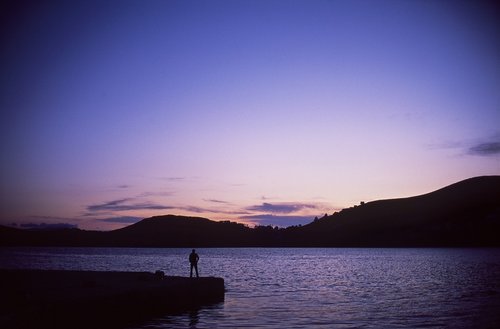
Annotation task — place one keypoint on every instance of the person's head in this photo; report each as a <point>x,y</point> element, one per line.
<point>193,250</point>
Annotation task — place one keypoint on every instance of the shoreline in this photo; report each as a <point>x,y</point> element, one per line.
<point>83,299</point>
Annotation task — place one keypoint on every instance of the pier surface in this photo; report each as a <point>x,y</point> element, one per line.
<point>88,299</point>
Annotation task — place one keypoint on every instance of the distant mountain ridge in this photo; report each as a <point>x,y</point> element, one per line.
<point>465,214</point>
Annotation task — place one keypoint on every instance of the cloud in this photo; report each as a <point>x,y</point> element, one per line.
<point>195,209</point>
<point>174,179</point>
<point>124,204</point>
<point>445,145</point>
<point>281,208</point>
<point>274,220</point>
<point>200,210</point>
<point>485,149</point>
<point>215,201</point>
<point>128,204</point>
<point>148,194</point>
<point>45,226</point>
<point>121,219</point>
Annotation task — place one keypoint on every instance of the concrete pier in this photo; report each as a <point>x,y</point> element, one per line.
<point>85,299</point>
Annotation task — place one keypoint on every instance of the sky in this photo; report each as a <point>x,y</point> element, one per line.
<point>260,112</point>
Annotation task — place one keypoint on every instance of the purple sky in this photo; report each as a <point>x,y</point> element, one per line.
<point>264,112</point>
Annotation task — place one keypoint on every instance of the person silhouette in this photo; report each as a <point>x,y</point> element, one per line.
<point>193,260</point>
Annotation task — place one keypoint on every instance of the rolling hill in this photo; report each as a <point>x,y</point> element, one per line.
<point>463,214</point>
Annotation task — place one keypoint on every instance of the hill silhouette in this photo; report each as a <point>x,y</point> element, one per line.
<point>180,231</point>
<point>463,214</point>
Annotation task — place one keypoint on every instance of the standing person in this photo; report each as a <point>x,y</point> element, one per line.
<point>193,260</point>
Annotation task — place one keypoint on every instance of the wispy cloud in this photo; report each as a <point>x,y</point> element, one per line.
<point>277,213</point>
<point>125,204</point>
<point>486,147</point>
<point>121,219</point>
<point>491,148</point>
<point>201,210</point>
<point>216,201</point>
<point>445,145</point>
<point>46,226</point>
<point>128,204</point>
<point>276,220</point>
<point>174,179</point>
<point>149,194</point>
<point>281,208</point>
<point>49,219</point>
<point>194,209</point>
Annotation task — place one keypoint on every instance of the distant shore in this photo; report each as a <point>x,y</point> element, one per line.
<point>85,299</point>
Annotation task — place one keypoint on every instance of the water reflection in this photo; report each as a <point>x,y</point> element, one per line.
<point>194,318</point>
<point>323,288</point>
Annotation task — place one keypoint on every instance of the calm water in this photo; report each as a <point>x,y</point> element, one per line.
<point>313,288</point>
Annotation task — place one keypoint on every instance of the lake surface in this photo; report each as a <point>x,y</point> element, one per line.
<point>313,288</point>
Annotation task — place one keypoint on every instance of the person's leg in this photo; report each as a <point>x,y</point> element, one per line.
<point>196,268</point>
<point>191,273</point>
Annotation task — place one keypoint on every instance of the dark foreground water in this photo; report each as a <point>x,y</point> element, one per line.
<point>311,288</point>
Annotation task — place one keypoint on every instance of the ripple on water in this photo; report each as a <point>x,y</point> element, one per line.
<point>321,288</point>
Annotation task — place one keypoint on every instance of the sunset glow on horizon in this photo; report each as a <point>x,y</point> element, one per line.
<point>261,112</point>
